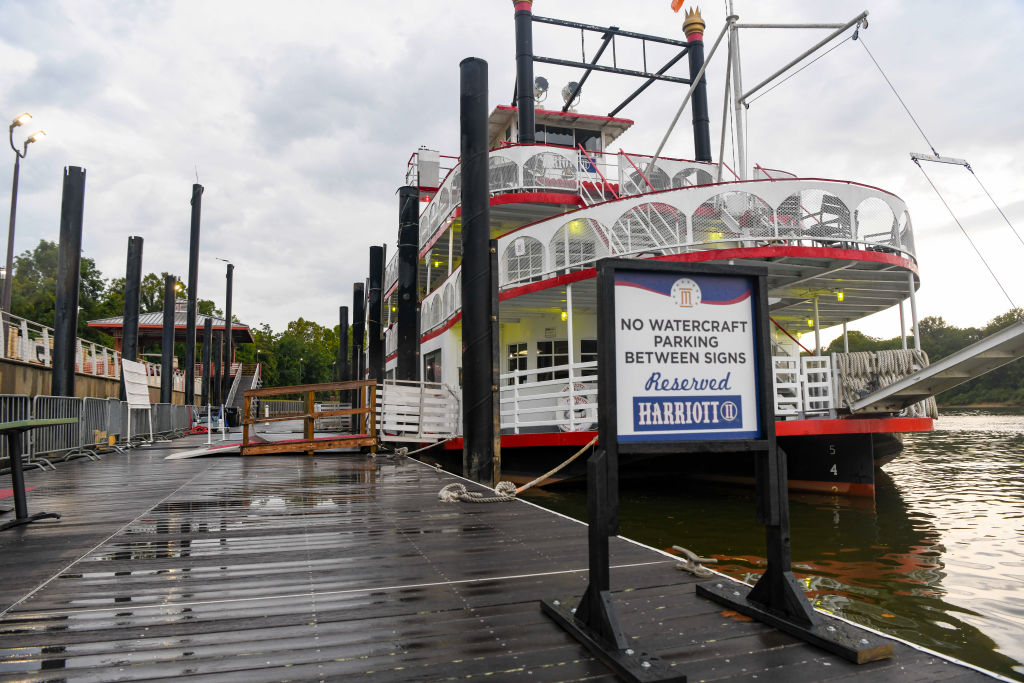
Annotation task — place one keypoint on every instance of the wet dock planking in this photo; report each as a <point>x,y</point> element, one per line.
<point>298,567</point>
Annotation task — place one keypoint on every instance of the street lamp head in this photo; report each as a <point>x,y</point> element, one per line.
<point>35,137</point>
<point>21,120</point>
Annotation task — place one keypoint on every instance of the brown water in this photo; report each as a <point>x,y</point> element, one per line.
<point>937,559</point>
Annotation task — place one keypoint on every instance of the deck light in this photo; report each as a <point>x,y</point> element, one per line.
<point>540,89</point>
<point>565,316</point>
<point>21,120</point>
<point>840,296</point>
<point>810,322</point>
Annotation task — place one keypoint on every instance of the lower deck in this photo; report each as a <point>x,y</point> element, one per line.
<point>344,565</point>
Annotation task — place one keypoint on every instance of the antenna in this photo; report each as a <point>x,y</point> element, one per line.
<point>196,166</point>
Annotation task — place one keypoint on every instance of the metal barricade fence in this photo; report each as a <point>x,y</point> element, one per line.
<point>182,418</point>
<point>115,420</point>
<point>58,439</point>
<point>162,418</point>
<point>15,407</point>
<point>93,425</point>
<point>141,423</point>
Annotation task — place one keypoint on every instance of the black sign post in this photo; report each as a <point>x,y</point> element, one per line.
<point>685,367</point>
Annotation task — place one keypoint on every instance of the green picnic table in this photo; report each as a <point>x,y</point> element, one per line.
<point>11,431</point>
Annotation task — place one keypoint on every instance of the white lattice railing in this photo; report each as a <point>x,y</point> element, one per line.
<point>30,342</point>
<point>564,397</point>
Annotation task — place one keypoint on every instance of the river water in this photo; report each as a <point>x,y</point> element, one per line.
<point>937,558</point>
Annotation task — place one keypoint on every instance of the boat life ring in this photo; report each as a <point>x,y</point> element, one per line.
<point>585,411</point>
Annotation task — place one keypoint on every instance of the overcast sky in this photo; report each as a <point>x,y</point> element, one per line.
<point>299,118</point>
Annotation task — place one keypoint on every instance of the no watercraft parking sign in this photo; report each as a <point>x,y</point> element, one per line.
<point>685,359</point>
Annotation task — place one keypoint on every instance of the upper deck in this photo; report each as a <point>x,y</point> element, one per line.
<point>556,210</point>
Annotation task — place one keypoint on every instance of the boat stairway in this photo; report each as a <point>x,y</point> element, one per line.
<point>972,361</point>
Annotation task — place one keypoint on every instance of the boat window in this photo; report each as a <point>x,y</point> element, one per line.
<point>552,354</point>
<point>588,354</point>
<point>553,135</point>
<point>517,360</point>
<point>590,139</point>
<point>432,366</point>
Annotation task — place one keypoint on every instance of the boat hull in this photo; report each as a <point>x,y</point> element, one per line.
<point>833,463</point>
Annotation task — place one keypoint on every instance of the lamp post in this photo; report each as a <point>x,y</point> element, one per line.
<point>5,304</point>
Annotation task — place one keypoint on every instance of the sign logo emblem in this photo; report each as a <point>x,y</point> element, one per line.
<point>729,411</point>
<point>686,293</point>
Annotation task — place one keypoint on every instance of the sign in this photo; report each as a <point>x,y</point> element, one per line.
<point>136,384</point>
<point>685,355</point>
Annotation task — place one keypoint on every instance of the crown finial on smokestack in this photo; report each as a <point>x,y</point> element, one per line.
<point>693,27</point>
<point>526,5</point>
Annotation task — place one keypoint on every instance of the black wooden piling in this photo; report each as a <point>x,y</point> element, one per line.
<point>408,367</point>
<point>479,382</point>
<point>132,292</point>
<point>218,343</point>
<point>207,344</point>
<point>524,73</point>
<point>167,344</point>
<point>69,261</point>
<point>358,318</point>
<point>228,342</point>
<point>373,314</point>
<point>193,287</point>
<point>342,373</point>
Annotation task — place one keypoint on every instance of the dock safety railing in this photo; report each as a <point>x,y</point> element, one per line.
<point>102,425</point>
<point>418,411</point>
<point>312,395</point>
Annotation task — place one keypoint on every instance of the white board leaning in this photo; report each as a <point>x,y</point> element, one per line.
<point>136,389</point>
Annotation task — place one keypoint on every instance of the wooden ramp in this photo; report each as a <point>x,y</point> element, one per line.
<point>994,351</point>
<point>345,567</point>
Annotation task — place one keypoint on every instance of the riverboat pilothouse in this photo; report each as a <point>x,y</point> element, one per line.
<point>561,199</point>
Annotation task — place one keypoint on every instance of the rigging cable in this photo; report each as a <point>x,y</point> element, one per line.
<point>983,189</point>
<point>905,107</point>
<point>957,221</point>
<point>941,198</point>
<point>853,36</point>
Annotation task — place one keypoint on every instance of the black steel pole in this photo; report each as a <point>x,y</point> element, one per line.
<point>408,297</point>
<point>69,262</point>
<point>343,375</point>
<point>193,287</point>
<point>373,311</point>
<point>699,100</point>
<point>218,339</point>
<point>228,346</point>
<point>132,292</point>
<point>357,330</point>
<point>5,303</point>
<point>479,385</point>
<point>207,344</point>
<point>524,72</point>
<point>167,343</point>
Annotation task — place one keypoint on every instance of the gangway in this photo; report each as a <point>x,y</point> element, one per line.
<point>417,412</point>
<point>972,361</point>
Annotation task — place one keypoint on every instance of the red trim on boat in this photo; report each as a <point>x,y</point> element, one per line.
<point>872,425</point>
<point>721,255</point>
<point>592,117</point>
<point>854,425</point>
<point>444,328</point>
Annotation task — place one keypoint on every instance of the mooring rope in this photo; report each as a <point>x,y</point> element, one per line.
<point>505,490</point>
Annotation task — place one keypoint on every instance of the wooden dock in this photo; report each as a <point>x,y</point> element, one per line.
<point>270,568</point>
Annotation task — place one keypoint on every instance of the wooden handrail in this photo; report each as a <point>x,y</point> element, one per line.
<point>366,412</point>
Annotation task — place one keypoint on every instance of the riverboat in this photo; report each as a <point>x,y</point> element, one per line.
<point>835,251</point>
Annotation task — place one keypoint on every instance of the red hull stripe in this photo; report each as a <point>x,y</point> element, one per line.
<point>879,425</point>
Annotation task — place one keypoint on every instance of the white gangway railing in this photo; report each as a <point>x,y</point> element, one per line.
<point>417,411</point>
